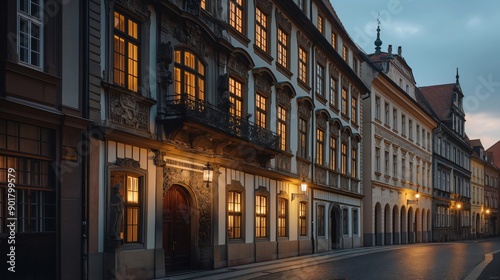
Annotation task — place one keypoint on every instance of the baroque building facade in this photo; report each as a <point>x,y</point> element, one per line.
<point>266,94</point>
<point>451,163</point>
<point>397,207</point>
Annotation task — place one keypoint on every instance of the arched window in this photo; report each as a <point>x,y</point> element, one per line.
<point>189,75</point>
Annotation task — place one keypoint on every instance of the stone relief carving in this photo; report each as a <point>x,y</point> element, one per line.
<point>128,163</point>
<point>126,110</point>
<point>283,97</point>
<point>321,176</point>
<point>302,40</point>
<point>238,66</point>
<point>320,57</point>
<point>190,33</point>
<point>283,162</point>
<point>321,121</point>
<point>282,21</point>
<point>134,6</point>
<point>334,71</point>
<point>262,84</point>
<point>266,6</point>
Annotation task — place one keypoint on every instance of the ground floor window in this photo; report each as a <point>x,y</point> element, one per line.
<point>132,194</point>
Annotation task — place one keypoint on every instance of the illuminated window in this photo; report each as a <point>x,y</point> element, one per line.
<point>260,216</point>
<point>282,57</point>
<point>126,52</point>
<point>321,220</point>
<point>261,29</point>
<point>236,97</point>
<point>320,80</point>
<point>282,127</point>
<point>131,192</point>
<point>189,75</point>
<point>319,146</point>
<point>344,53</point>
<point>282,217</point>
<point>343,154</point>
<point>354,110</point>
<point>334,40</point>
<point>321,26</point>
<point>203,4</point>
<point>234,215</point>
<point>260,110</point>
<point>344,101</point>
<point>333,153</point>
<point>302,65</point>
<point>303,219</point>
<point>30,32</point>
<point>236,14</point>
<point>302,138</point>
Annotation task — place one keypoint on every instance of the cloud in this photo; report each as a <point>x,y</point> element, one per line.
<point>473,22</point>
<point>483,126</point>
<point>403,29</point>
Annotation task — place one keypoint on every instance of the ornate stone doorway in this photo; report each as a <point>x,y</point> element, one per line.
<point>177,229</point>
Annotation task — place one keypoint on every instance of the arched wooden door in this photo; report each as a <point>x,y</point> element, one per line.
<point>177,229</point>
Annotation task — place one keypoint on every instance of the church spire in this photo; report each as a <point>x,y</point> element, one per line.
<point>378,42</point>
<point>457,76</point>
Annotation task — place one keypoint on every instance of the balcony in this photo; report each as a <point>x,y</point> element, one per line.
<point>225,129</point>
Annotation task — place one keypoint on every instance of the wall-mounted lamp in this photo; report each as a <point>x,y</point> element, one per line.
<point>417,195</point>
<point>303,189</point>
<point>487,211</point>
<point>208,174</point>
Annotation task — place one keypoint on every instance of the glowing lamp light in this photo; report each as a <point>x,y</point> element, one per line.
<point>303,186</point>
<point>208,173</point>
<point>459,206</point>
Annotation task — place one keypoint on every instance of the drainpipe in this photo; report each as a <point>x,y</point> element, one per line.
<point>85,115</point>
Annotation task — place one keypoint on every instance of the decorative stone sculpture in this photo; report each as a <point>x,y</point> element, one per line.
<point>116,212</point>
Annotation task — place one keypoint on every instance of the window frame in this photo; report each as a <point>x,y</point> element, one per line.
<point>238,22</point>
<point>282,217</point>
<point>303,230</point>
<point>320,217</point>
<point>183,69</point>
<point>262,32</point>
<point>128,39</point>
<point>235,214</point>
<point>262,217</point>
<point>303,65</point>
<point>283,48</point>
<point>320,146</point>
<point>303,129</point>
<point>31,19</point>
<point>140,205</point>
<point>320,79</point>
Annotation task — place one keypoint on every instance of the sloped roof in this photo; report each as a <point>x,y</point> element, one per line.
<point>440,98</point>
<point>476,143</point>
<point>495,150</point>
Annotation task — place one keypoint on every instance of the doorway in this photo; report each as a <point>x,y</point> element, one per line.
<point>177,229</point>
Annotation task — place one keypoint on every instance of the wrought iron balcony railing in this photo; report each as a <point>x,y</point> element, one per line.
<point>179,107</point>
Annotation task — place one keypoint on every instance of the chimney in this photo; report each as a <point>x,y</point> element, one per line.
<point>399,50</point>
<point>389,49</point>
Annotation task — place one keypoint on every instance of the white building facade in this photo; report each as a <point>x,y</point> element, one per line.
<point>397,178</point>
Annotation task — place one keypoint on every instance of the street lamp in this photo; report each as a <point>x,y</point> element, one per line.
<point>417,195</point>
<point>208,174</point>
<point>303,188</point>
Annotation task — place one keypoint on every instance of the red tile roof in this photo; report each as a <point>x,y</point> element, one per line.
<point>439,98</point>
<point>495,150</point>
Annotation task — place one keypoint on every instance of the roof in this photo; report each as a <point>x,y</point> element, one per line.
<point>495,150</point>
<point>440,98</point>
<point>476,143</point>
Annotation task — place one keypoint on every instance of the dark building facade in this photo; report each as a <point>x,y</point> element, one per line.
<point>42,136</point>
<point>451,164</point>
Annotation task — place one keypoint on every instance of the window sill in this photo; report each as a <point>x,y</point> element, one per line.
<point>239,36</point>
<point>303,85</point>
<point>285,71</point>
<point>263,54</point>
